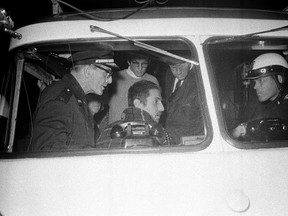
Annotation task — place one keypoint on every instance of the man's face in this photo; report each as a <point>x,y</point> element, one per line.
<point>153,105</point>
<point>94,107</point>
<point>180,71</point>
<point>266,88</point>
<point>99,78</point>
<point>138,66</point>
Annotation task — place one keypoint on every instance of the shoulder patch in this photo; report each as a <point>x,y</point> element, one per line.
<point>64,95</point>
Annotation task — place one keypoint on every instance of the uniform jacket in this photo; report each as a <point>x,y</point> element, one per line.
<point>268,109</point>
<point>62,120</point>
<point>183,111</point>
<point>263,115</point>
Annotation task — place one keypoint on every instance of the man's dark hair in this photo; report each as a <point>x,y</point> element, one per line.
<point>136,55</point>
<point>140,90</point>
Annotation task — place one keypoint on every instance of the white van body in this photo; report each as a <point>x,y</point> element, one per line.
<point>217,178</point>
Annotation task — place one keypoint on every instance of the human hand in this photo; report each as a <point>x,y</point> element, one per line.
<point>240,130</point>
<point>41,85</point>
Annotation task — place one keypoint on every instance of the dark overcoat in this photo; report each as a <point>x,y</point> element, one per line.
<point>62,120</point>
<point>183,109</point>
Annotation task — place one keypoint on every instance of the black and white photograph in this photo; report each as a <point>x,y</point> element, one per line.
<point>143,107</point>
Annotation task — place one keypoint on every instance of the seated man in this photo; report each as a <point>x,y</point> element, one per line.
<point>145,106</point>
<point>269,72</point>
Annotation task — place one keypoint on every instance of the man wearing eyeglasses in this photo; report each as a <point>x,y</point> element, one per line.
<point>62,118</point>
<point>137,67</point>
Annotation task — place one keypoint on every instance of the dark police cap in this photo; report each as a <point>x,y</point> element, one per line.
<point>88,57</point>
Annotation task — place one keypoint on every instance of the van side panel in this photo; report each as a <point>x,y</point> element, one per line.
<point>147,184</point>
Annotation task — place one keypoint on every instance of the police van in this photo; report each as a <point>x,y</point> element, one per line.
<point>212,173</point>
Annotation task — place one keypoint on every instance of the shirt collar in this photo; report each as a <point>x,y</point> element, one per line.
<point>130,73</point>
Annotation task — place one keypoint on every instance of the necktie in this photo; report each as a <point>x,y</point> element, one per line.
<point>178,84</point>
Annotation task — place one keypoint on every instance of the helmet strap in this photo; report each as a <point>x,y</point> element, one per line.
<point>281,87</point>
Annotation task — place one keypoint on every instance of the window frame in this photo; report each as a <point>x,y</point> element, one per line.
<point>207,50</point>
<point>208,129</point>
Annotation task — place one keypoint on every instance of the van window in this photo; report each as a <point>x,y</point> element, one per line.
<point>241,100</point>
<point>46,64</point>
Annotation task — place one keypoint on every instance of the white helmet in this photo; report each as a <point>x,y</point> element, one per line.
<point>266,65</point>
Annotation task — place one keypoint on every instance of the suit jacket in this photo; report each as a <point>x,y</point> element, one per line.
<point>183,110</point>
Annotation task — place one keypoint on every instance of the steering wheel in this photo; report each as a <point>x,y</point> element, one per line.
<point>267,129</point>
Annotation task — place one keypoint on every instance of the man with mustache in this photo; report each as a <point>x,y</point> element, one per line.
<point>62,117</point>
<point>145,106</point>
<point>269,73</point>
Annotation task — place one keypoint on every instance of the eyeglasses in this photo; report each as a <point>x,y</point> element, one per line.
<point>137,64</point>
<point>109,72</point>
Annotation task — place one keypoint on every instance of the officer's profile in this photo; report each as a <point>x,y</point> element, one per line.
<point>269,115</point>
<point>62,117</point>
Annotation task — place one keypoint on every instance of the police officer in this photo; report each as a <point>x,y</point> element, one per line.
<point>269,72</point>
<point>62,118</point>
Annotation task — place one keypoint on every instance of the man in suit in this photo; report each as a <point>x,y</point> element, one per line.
<point>183,110</point>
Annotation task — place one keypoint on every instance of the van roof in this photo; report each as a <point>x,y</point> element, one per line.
<point>197,21</point>
<point>172,12</point>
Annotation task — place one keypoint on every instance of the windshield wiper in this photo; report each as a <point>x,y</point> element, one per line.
<point>143,45</point>
<point>240,37</point>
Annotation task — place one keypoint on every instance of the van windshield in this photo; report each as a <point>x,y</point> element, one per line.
<point>251,77</point>
<point>62,101</point>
